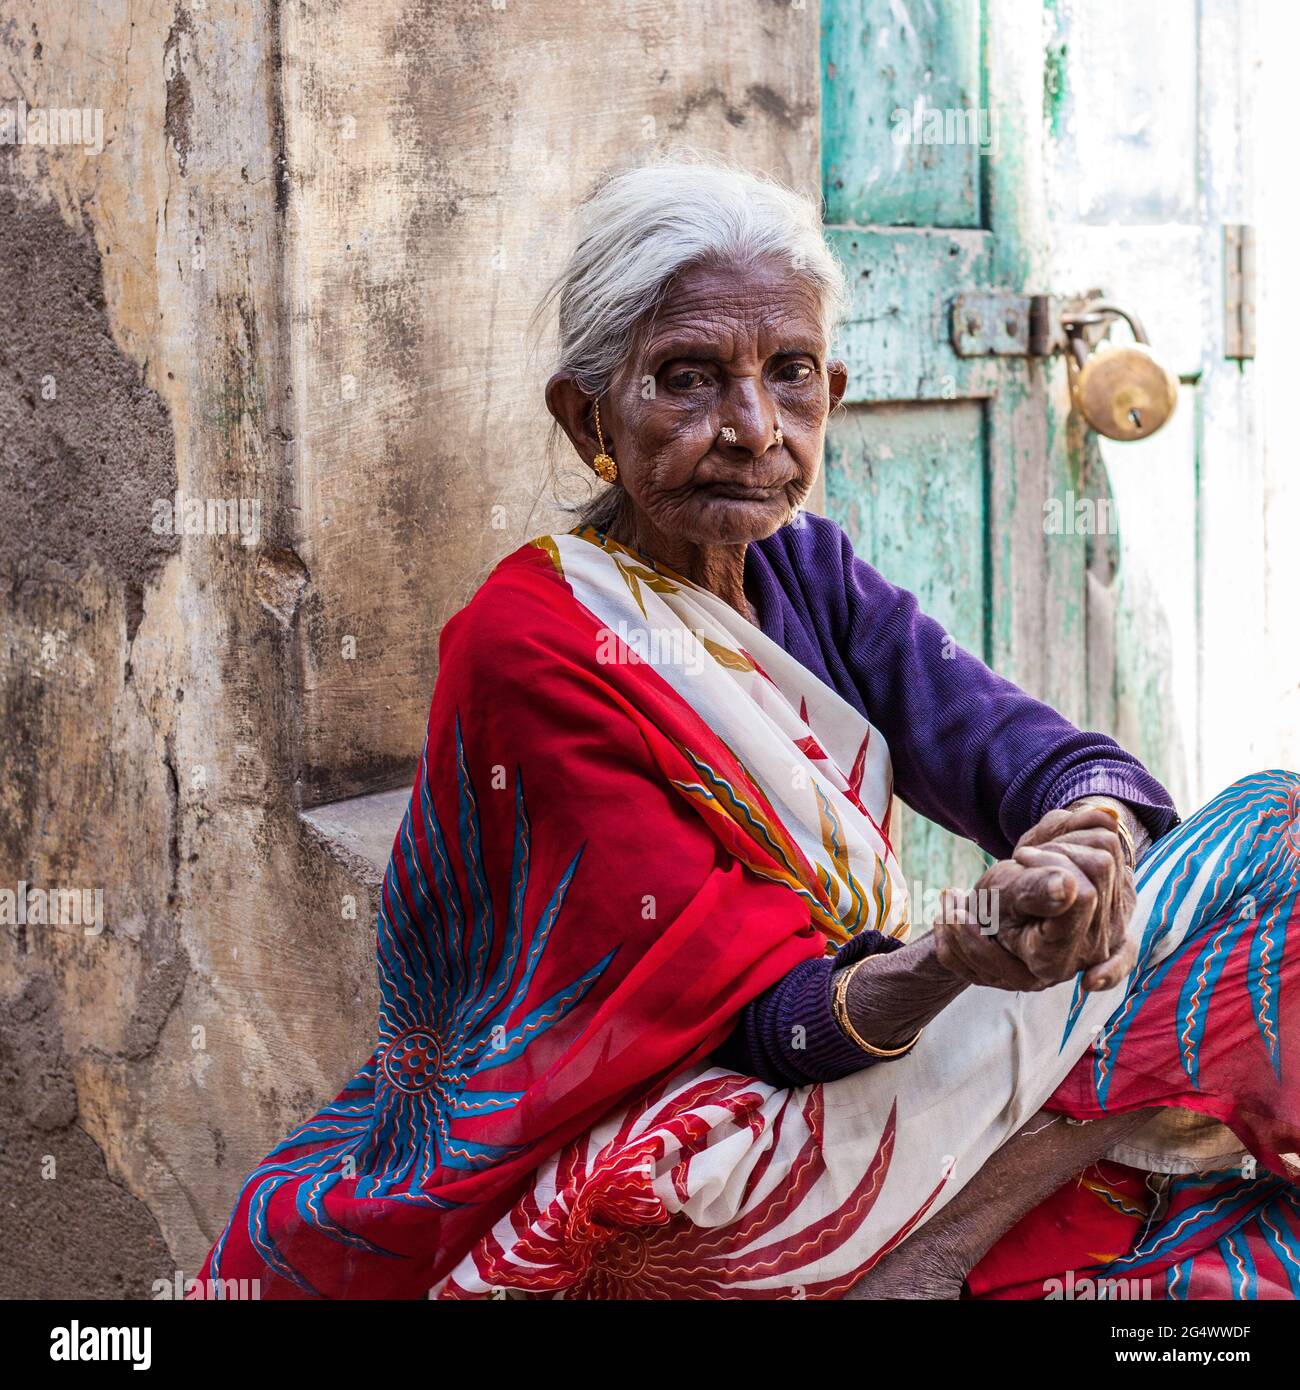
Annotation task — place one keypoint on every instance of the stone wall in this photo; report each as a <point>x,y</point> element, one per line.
<point>296,276</point>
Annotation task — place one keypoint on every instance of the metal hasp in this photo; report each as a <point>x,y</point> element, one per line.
<point>998,323</point>
<point>1238,291</point>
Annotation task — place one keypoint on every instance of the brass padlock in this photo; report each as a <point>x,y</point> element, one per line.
<point>1121,390</point>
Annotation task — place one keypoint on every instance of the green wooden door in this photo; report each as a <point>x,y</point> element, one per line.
<point>938,464</point>
<point>1039,148</point>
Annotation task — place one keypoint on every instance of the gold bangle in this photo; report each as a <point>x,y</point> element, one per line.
<point>841,1012</point>
<point>1122,830</point>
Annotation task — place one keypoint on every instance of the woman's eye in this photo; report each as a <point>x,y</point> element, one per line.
<point>687,380</point>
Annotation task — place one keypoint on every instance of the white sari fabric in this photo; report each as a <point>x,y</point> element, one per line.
<point>715,1184</point>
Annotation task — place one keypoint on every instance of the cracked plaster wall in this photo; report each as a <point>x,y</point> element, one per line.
<point>288,196</point>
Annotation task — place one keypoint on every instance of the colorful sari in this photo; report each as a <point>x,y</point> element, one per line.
<point>633,814</point>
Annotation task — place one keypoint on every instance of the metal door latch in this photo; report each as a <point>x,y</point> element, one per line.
<point>997,323</point>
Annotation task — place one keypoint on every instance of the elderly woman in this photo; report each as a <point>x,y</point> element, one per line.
<point>651,1025</point>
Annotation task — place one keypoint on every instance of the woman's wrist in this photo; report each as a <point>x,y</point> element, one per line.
<point>1139,837</point>
<point>892,996</point>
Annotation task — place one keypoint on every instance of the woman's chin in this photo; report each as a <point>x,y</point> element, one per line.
<point>726,520</point>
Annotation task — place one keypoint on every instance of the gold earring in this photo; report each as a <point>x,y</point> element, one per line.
<point>604,466</point>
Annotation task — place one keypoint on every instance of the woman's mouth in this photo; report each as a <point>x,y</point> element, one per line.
<point>739,492</point>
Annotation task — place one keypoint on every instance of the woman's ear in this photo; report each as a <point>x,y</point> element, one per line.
<point>571,407</point>
<point>838,375</point>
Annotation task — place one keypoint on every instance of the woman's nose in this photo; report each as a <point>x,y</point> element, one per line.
<point>749,411</point>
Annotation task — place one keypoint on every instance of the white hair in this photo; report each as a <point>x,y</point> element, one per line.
<point>643,227</point>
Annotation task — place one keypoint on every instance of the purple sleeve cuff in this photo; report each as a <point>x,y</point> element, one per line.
<point>1127,782</point>
<point>788,1035</point>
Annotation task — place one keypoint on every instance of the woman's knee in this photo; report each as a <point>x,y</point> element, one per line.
<point>1273,779</point>
<point>1271,796</point>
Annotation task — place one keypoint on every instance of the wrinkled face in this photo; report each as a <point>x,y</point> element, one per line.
<point>740,348</point>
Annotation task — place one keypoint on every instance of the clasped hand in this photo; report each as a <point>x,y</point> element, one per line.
<point>1060,905</point>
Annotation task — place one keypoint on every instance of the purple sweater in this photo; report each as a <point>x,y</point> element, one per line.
<point>969,749</point>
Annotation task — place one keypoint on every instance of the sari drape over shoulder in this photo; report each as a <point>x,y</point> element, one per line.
<point>586,887</point>
<point>633,814</point>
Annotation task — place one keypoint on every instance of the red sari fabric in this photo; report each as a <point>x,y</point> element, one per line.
<point>1208,1029</point>
<point>569,922</point>
<point>1204,1023</point>
<point>557,932</point>
<point>1111,1234</point>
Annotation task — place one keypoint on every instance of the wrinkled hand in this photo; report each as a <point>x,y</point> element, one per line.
<point>1059,905</point>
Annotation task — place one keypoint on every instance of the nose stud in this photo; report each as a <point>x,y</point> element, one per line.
<point>729,436</point>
